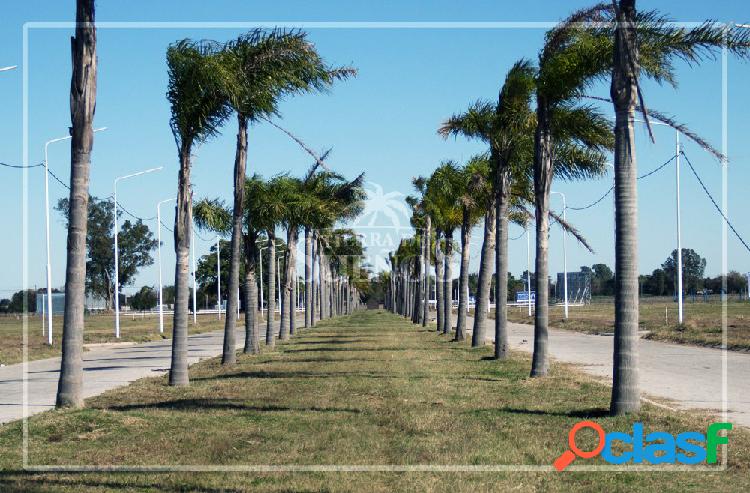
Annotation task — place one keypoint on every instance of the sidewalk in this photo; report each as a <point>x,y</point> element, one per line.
<point>689,376</point>
<point>104,368</point>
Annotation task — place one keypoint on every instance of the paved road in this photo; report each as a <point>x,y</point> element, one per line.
<point>104,368</point>
<point>689,376</point>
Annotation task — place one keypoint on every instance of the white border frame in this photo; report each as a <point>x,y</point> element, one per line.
<point>364,467</point>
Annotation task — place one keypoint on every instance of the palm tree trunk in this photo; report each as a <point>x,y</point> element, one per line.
<point>291,269</point>
<point>82,105</point>
<point>252,344</point>
<point>439,273</point>
<point>178,374</point>
<point>542,184</point>
<point>308,277</point>
<point>502,346</point>
<point>448,284</point>
<point>285,285</point>
<point>229,355</point>
<point>463,276</point>
<point>624,91</point>
<point>271,290</point>
<point>313,275</point>
<point>484,282</point>
<point>426,294</point>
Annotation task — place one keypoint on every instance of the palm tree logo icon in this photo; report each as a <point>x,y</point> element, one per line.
<point>379,204</point>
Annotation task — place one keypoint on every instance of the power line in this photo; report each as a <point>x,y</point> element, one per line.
<point>646,175</point>
<point>17,166</point>
<point>718,209</point>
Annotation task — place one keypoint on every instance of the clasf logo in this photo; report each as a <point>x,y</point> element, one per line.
<point>658,447</point>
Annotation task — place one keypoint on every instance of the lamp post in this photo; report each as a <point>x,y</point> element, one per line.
<point>679,225</point>
<point>260,253</point>
<point>158,229</point>
<point>218,274</point>
<point>117,253</point>
<point>192,254</point>
<point>46,223</point>
<point>565,255</point>
<point>528,270</point>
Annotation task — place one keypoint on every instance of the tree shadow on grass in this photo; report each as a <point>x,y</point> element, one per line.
<point>594,412</point>
<point>29,482</point>
<point>223,405</point>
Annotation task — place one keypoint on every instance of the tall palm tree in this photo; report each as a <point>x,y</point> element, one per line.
<point>260,68</point>
<point>567,133</point>
<point>644,41</point>
<point>505,127</point>
<point>474,198</point>
<point>82,105</point>
<point>199,107</point>
<point>444,191</point>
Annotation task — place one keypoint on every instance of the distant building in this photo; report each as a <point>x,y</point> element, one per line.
<point>58,303</point>
<point>579,287</point>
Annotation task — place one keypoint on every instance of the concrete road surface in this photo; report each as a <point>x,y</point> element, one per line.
<point>104,368</point>
<point>689,376</point>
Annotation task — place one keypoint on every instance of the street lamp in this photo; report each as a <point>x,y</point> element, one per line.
<point>218,274</point>
<point>528,270</point>
<point>46,222</point>
<point>679,228</point>
<point>565,254</point>
<point>192,254</point>
<point>5,69</point>
<point>260,253</point>
<point>117,253</point>
<point>158,228</point>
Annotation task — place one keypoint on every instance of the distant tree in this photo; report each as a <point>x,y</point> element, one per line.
<point>473,283</point>
<point>205,272</point>
<point>15,304</point>
<point>693,267</point>
<point>135,243</point>
<point>659,282</point>
<point>4,305</point>
<point>602,280</point>
<point>144,299</point>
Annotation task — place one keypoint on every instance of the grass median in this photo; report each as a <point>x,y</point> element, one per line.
<point>368,389</point>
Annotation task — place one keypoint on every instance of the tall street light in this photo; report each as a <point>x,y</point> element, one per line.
<point>528,269</point>
<point>117,253</point>
<point>565,254</point>
<point>260,253</point>
<point>5,69</point>
<point>192,254</point>
<point>679,227</point>
<point>46,223</point>
<point>218,274</point>
<point>158,228</point>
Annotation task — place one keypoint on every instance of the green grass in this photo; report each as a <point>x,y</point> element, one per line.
<point>366,389</point>
<point>98,329</point>
<point>701,327</point>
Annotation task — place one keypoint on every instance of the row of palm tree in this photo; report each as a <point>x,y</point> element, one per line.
<point>208,83</point>
<point>314,203</point>
<point>545,126</point>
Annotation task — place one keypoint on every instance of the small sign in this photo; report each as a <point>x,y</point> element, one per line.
<point>523,296</point>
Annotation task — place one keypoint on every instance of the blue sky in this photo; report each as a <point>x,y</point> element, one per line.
<point>383,122</point>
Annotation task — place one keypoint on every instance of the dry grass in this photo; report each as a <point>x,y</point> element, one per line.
<point>99,329</point>
<point>702,321</point>
<point>365,389</point>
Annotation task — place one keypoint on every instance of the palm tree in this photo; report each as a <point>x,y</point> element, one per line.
<point>644,41</point>
<point>475,195</point>
<point>199,107</point>
<point>505,127</point>
<point>82,104</point>
<point>260,68</point>
<point>569,134</point>
<point>444,190</point>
